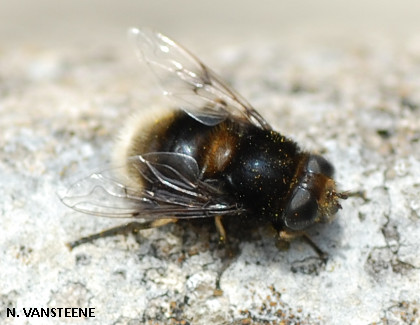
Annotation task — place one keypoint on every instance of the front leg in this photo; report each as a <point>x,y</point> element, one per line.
<point>286,236</point>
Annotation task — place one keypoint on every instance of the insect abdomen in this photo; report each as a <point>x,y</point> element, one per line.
<point>211,146</point>
<point>255,166</point>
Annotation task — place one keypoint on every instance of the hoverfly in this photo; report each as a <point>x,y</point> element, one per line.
<point>211,155</point>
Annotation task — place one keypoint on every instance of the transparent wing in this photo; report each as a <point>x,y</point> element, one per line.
<point>195,88</point>
<point>170,188</point>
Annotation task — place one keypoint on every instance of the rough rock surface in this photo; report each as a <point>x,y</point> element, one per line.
<point>358,104</point>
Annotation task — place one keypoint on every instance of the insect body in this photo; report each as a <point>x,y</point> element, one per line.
<point>211,156</point>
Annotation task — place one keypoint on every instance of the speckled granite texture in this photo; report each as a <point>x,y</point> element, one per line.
<point>357,103</point>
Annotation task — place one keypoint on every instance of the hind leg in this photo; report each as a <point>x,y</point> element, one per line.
<point>121,230</point>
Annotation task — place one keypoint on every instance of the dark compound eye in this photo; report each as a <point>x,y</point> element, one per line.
<point>319,165</point>
<point>301,211</point>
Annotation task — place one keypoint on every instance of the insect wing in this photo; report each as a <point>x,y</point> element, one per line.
<point>171,189</point>
<point>197,89</point>
<point>102,194</point>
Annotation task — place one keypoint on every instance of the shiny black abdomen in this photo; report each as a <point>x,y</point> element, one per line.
<point>260,170</point>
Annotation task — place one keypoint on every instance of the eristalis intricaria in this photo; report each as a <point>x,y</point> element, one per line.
<point>211,156</point>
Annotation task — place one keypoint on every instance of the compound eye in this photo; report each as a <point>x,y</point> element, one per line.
<point>319,165</point>
<point>301,211</point>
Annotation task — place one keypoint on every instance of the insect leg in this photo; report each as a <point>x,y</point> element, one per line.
<point>286,236</point>
<point>220,229</point>
<point>322,255</point>
<point>230,254</point>
<point>122,229</point>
